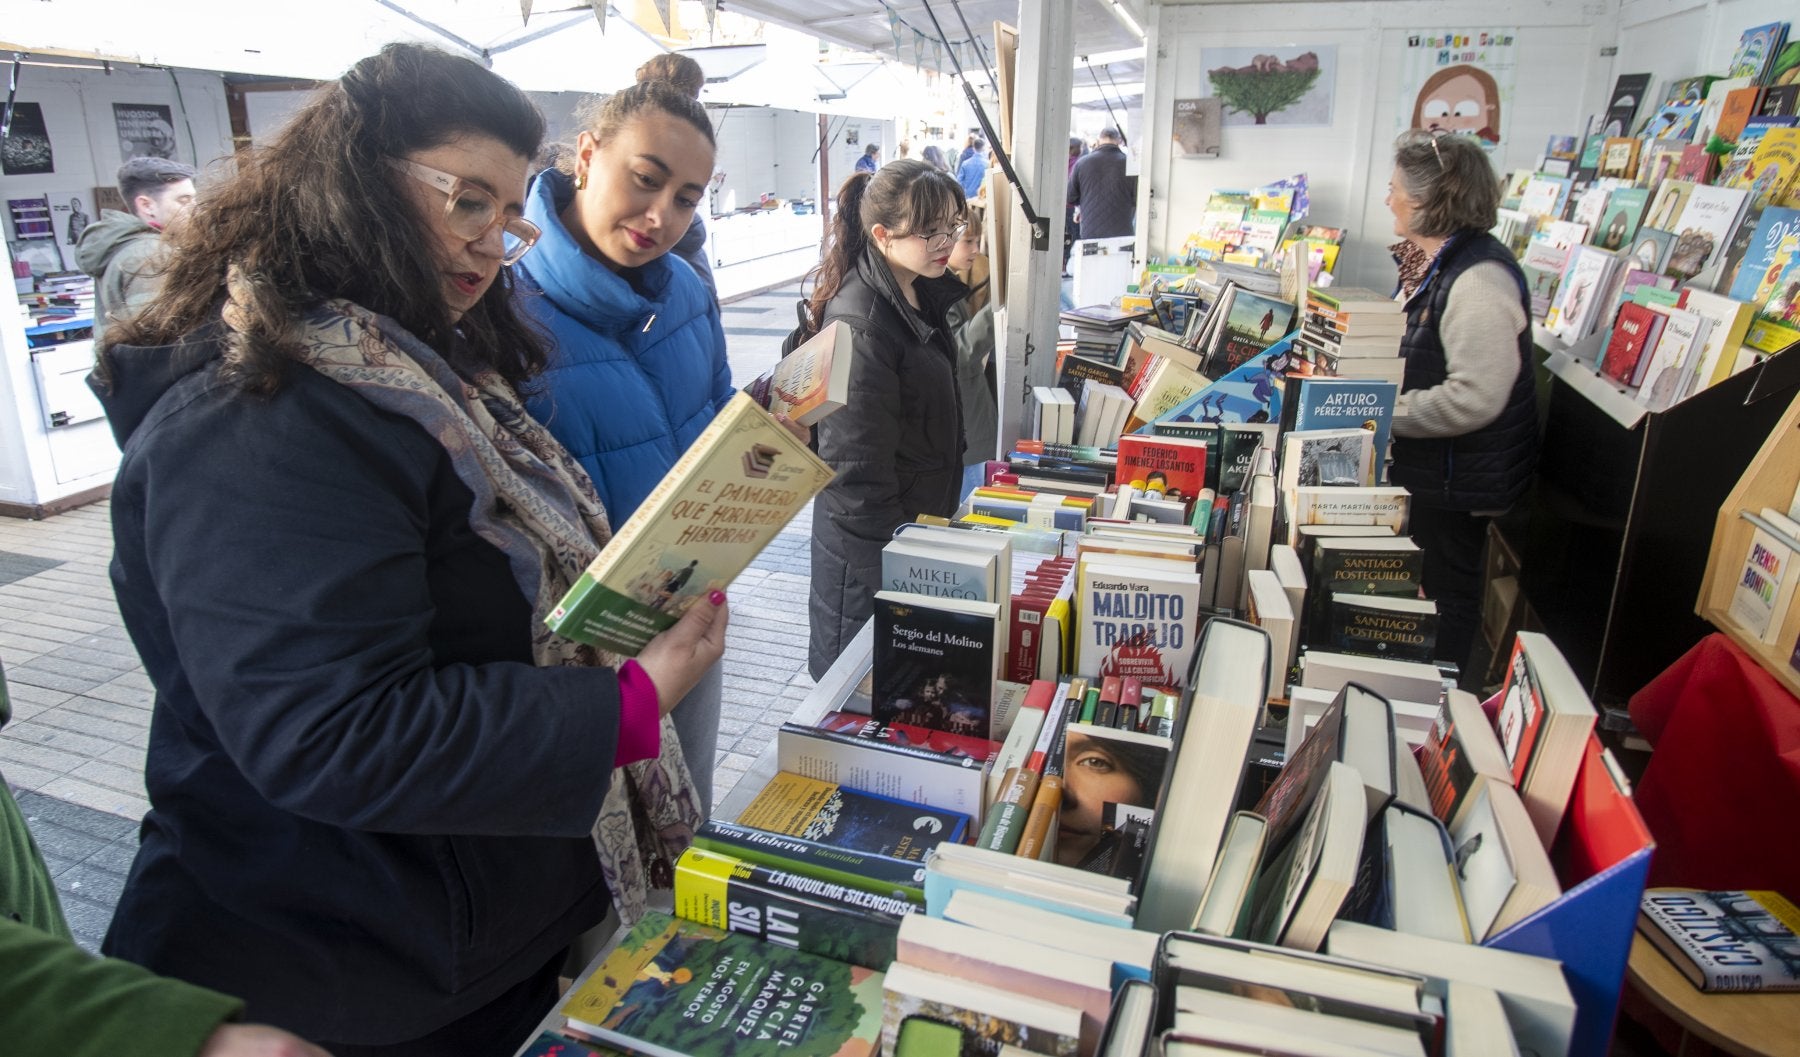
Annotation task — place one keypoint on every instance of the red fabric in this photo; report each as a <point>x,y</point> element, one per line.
<point>1722,792</point>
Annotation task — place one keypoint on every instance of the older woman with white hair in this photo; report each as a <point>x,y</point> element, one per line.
<point>1465,428</point>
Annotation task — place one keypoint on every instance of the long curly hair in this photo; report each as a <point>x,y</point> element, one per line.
<point>901,196</point>
<point>318,214</point>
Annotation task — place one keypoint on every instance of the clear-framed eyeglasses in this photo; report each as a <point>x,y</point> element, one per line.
<point>941,240</point>
<point>470,212</point>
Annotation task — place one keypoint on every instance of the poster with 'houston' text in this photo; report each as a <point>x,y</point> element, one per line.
<point>1459,82</point>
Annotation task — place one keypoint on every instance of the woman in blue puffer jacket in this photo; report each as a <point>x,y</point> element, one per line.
<point>638,369</point>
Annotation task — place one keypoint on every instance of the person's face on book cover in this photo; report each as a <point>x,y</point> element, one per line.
<point>1095,773</point>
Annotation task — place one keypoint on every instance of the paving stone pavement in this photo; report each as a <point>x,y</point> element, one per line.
<point>74,751</point>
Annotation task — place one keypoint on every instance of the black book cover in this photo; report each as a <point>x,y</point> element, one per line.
<point>1210,432</point>
<point>1380,569</point>
<point>1362,625</point>
<point>933,667</point>
<point>1077,371</point>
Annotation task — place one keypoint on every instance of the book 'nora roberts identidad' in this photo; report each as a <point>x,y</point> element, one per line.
<point>735,487</point>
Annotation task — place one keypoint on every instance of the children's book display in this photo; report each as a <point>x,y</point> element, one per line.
<point>1680,266</point>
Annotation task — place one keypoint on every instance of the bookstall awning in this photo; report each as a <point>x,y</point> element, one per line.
<point>561,47</point>
<point>876,27</point>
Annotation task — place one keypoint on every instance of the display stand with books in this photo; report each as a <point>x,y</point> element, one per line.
<point>1616,531</point>
<point>1769,481</point>
<point>1602,857</point>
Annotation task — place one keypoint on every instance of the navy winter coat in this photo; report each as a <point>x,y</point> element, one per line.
<point>639,365</point>
<point>369,809</point>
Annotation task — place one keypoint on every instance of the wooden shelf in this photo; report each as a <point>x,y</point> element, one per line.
<point>1769,481</point>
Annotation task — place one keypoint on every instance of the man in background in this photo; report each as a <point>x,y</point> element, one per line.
<point>870,160</point>
<point>120,249</point>
<point>973,169</point>
<point>1104,196</point>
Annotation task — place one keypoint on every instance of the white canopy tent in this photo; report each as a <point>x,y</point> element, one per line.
<point>561,48</point>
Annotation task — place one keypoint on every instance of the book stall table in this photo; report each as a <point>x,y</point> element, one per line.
<point>838,685</point>
<point>1602,856</point>
<point>1749,1025</point>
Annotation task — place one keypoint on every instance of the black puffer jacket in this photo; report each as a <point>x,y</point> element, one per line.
<point>896,445</point>
<point>1488,468</point>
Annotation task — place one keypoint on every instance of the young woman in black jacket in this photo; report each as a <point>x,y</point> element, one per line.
<point>897,443</point>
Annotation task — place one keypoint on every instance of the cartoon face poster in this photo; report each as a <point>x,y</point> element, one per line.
<point>1459,81</point>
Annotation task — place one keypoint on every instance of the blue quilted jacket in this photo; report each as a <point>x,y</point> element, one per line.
<point>639,366</point>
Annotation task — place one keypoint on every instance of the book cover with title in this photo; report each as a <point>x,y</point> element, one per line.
<point>1136,622</point>
<point>1178,463</point>
<point>1726,941</point>
<point>1347,403</point>
<point>675,987</point>
<point>740,482</point>
<point>936,661</point>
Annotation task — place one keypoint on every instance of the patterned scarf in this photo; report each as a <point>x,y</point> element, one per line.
<point>1413,263</point>
<point>533,501</point>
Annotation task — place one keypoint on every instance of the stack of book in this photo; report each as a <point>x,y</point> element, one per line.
<point>58,296</point>
<point>1350,332</point>
<point>674,986</point>
<point>1318,418</point>
<point>1099,330</point>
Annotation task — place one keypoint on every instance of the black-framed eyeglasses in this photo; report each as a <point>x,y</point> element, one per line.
<point>941,240</point>
<point>470,212</point>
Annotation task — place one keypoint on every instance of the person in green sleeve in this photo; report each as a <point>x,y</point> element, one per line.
<point>57,998</point>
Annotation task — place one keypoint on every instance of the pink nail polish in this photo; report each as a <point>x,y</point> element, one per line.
<point>717,598</point>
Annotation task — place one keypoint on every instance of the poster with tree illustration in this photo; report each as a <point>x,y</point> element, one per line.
<point>1291,86</point>
<point>1458,82</point>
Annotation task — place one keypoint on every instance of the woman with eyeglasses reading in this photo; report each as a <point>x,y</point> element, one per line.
<point>373,772</point>
<point>1465,428</point>
<point>638,369</point>
<point>897,443</point>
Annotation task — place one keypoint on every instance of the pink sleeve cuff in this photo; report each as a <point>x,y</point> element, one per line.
<point>640,717</point>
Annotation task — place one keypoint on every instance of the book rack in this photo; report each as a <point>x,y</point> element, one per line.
<point>1769,481</point>
<point>1602,859</point>
<point>1613,538</point>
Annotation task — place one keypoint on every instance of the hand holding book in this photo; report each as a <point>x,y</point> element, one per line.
<point>677,658</point>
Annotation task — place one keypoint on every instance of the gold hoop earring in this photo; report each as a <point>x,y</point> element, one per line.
<point>581,181</point>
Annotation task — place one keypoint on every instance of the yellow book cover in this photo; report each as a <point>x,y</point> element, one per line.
<point>1770,178</point>
<point>728,495</point>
